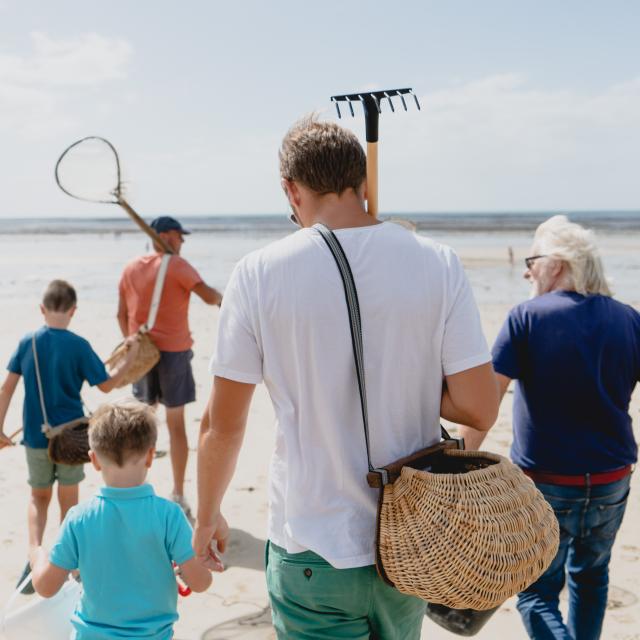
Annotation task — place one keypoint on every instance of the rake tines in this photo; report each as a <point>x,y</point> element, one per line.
<point>373,99</point>
<point>372,107</point>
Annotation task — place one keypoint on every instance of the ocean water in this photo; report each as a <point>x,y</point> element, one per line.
<point>91,253</point>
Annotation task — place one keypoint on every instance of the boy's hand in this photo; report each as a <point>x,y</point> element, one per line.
<point>5,440</point>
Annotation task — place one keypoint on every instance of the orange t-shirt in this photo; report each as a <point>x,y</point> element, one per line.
<point>171,330</point>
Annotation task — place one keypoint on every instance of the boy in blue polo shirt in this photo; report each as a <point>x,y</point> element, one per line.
<point>66,361</point>
<point>123,540</point>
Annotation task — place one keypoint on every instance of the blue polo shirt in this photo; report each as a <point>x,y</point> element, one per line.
<point>576,360</point>
<point>123,542</point>
<point>66,360</point>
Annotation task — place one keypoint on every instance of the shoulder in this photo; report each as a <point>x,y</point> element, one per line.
<point>76,340</point>
<point>169,511</point>
<point>178,263</point>
<point>80,513</point>
<point>624,309</point>
<point>25,341</point>
<point>138,263</point>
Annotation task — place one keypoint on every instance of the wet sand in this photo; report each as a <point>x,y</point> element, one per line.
<point>234,607</point>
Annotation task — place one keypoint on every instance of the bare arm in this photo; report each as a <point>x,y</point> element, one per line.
<point>119,372</point>
<point>470,398</point>
<point>207,293</point>
<point>221,433</point>
<point>123,316</point>
<point>47,578</point>
<point>195,575</point>
<point>6,393</point>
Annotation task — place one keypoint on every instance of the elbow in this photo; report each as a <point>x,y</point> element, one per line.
<point>483,417</point>
<point>43,589</point>
<point>106,386</point>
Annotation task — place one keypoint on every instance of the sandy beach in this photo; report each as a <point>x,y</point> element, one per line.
<point>235,605</point>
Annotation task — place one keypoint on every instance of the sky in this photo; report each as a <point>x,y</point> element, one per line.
<point>527,105</point>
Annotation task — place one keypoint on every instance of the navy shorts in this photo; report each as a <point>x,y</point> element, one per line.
<point>170,382</point>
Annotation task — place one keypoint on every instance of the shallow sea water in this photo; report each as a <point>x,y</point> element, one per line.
<point>93,261</point>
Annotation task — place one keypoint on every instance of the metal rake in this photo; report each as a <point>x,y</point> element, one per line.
<point>372,105</point>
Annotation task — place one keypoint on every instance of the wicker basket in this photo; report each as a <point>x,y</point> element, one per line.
<point>147,357</point>
<point>71,444</point>
<point>469,533</point>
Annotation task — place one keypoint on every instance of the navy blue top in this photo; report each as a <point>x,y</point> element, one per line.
<point>576,360</point>
<point>66,360</point>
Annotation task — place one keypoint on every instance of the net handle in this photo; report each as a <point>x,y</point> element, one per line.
<point>144,226</point>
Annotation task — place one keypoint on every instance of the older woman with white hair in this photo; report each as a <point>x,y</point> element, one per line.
<point>574,352</point>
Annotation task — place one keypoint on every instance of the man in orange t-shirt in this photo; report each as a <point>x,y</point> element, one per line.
<point>171,381</point>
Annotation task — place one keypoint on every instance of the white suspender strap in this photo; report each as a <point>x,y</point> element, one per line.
<point>157,294</point>
<point>39,380</point>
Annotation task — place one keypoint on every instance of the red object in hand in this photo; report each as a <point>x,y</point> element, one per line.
<point>183,589</point>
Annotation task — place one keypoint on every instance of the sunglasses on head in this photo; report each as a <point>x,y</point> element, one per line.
<point>531,259</point>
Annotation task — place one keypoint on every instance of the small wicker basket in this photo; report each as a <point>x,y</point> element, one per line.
<point>468,533</point>
<point>147,357</point>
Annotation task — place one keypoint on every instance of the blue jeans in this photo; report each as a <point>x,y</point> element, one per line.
<point>589,518</point>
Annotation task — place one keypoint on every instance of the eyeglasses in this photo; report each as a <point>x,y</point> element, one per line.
<point>531,259</point>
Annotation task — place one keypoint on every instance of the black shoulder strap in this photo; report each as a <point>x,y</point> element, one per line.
<point>355,324</point>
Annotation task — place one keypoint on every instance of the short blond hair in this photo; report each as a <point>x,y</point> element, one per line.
<point>322,156</point>
<point>122,431</point>
<point>576,247</point>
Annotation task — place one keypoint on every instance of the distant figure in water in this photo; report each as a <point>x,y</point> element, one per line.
<point>575,354</point>
<point>511,260</point>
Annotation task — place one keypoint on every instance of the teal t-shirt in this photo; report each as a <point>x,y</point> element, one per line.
<point>123,542</point>
<point>66,360</point>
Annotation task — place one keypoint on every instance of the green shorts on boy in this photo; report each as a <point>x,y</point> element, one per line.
<point>66,361</point>
<point>124,540</point>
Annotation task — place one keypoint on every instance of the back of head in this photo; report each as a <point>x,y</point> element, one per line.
<point>59,296</point>
<point>576,247</point>
<point>119,432</point>
<point>322,156</point>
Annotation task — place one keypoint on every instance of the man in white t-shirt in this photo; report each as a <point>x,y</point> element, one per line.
<point>284,322</point>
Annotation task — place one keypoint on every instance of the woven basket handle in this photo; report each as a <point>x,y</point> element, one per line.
<point>355,324</point>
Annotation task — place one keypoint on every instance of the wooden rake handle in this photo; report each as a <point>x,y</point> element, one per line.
<point>372,179</point>
<point>144,226</point>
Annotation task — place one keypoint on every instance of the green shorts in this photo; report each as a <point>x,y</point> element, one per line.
<point>43,473</point>
<point>311,600</point>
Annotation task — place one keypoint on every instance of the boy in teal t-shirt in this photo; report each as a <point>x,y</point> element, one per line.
<point>66,362</point>
<point>124,540</point>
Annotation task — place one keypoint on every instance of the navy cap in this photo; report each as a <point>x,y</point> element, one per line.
<point>167,223</point>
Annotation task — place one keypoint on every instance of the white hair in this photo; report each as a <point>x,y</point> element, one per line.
<point>576,247</point>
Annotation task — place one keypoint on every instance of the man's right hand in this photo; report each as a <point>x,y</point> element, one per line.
<point>204,537</point>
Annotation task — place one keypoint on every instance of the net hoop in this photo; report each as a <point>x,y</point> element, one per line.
<point>117,197</point>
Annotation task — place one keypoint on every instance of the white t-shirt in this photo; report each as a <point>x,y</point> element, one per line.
<point>284,321</point>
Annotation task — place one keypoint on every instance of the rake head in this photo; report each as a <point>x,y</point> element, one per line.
<point>372,106</point>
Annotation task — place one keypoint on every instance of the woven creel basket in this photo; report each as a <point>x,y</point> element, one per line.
<point>147,357</point>
<point>468,534</point>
